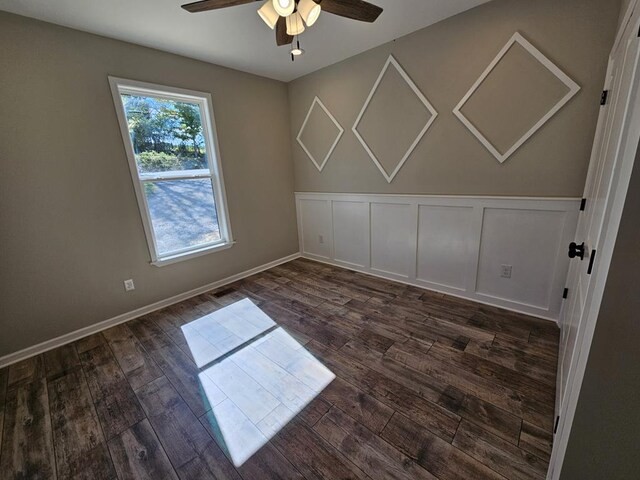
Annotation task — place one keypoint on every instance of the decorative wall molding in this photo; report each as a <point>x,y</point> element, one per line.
<point>538,55</point>
<point>125,317</point>
<point>451,244</point>
<point>319,164</point>
<point>391,61</point>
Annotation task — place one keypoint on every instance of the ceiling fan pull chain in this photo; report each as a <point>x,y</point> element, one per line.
<point>293,57</point>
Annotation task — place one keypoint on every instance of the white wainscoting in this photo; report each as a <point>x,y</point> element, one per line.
<point>452,244</point>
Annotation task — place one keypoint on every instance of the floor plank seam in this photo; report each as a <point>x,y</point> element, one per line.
<point>160,445</point>
<point>52,439</point>
<point>387,423</point>
<point>157,434</point>
<point>93,403</point>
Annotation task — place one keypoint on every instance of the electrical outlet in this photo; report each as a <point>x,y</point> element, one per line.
<point>505,271</point>
<point>128,285</point>
<point>321,238</point>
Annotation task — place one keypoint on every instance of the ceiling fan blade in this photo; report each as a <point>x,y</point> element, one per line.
<point>282,37</point>
<point>353,9</point>
<point>205,5</point>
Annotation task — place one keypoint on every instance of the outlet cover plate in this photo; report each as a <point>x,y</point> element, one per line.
<point>505,271</point>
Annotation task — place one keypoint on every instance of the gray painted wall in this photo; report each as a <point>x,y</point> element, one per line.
<point>606,430</point>
<point>444,60</point>
<point>71,230</point>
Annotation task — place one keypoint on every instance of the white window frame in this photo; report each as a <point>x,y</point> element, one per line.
<point>121,86</point>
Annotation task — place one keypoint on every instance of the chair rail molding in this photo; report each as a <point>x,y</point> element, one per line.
<point>502,251</point>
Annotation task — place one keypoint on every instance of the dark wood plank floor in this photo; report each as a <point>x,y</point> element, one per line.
<point>427,386</point>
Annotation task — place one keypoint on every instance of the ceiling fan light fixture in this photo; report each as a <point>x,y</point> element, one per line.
<point>269,14</point>
<point>296,50</point>
<point>284,8</point>
<point>295,25</point>
<point>309,11</point>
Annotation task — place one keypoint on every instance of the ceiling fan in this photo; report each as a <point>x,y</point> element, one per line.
<point>289,17</point>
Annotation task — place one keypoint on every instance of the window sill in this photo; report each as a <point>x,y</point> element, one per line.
<point>161,262</point>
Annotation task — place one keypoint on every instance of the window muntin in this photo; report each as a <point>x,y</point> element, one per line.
<point>170,142</point>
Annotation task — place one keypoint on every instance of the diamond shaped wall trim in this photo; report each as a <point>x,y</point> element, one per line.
<point>319,165</point>
<point>391,61</point>
<point>573,87</point>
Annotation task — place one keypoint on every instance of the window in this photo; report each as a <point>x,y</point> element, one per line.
<point>169,136</point>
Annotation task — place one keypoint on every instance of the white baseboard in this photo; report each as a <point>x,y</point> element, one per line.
<point>125,317</point>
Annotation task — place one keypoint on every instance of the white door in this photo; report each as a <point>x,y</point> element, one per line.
<point>612,127</point>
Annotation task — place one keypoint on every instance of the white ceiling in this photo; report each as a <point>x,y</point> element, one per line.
<point>236,37</point>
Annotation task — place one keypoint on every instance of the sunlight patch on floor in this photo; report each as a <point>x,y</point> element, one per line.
<point>256,390</point>
<point>218,333</point>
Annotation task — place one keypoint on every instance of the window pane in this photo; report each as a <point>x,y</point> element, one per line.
<point>166,134</point>
<point>183,214</point>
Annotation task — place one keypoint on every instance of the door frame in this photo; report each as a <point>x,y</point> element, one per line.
<point>613,214</point>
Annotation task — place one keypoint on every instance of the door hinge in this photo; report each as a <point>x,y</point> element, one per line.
<point>605,96</point>
<point>555,427</point>
<point>583,204</point>
<point>565,293</point>
<point>591,260</point>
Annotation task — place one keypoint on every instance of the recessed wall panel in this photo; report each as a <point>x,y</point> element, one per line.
<point>315,218</point>
<point>351,234</point>
<point>528,242</point>
<point>391,238</point>
<point>445,241</point>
